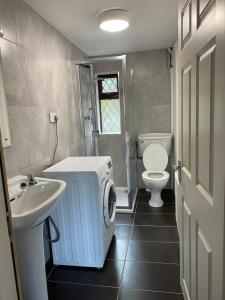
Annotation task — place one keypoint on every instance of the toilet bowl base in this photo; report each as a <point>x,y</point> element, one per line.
<point>156,200</point>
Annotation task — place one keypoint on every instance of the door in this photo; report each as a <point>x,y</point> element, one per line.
<point>109,206</point>
<point>9,275</point>
<point>87,112</point>
<point>202,95</point>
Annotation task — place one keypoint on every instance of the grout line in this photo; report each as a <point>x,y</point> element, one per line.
<point>156,226</point>
<point>112,287</point>
<point>163,242</point>
<point>156,241</point>
<point>121,279</point>
<point>124,225</point>
<point>146,202</point>
<point>154,213</point>
<point>78,283</point>
<point>152,262</point>
<point>153,291</point>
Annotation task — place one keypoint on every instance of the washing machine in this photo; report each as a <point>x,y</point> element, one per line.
<point>85,215</point>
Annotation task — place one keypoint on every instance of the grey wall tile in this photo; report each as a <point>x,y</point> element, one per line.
<point>38,74</point>
<point>149,95</point>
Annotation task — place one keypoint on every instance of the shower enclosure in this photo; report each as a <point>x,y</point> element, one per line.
<point>107,124</point>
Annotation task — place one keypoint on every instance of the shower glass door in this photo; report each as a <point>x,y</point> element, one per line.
<point>87,114</point>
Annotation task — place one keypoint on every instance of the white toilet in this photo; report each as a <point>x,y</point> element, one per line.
<point>155,149</point>
<point>155,160</point>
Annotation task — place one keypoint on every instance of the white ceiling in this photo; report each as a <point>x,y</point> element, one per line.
<point>153,25</point>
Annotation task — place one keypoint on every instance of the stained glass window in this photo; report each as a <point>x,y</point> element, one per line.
<point>109,103</point>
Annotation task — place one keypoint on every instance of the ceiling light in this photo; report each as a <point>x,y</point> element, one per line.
<point>113,20</point>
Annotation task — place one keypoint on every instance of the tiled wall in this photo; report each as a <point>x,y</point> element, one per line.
<point>39,78</point>
<point>150,92</point>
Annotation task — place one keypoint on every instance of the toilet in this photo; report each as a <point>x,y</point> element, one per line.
<point>155,160</point>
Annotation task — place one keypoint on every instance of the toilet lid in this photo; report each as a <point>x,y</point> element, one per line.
<point>155,157</point>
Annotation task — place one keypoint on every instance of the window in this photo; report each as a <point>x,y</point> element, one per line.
<point>109,103</point>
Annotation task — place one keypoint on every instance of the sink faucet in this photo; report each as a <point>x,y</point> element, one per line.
<point>31,180</point>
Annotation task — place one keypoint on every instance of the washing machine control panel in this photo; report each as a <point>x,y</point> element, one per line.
<point>106,172</point>
<point>109,164</point>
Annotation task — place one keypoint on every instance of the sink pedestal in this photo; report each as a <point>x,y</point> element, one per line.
<point>30,250</point>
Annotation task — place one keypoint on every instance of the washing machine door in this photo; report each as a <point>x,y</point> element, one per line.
<point>109,205</point>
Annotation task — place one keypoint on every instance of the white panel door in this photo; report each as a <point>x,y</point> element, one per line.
<point>202,95</point>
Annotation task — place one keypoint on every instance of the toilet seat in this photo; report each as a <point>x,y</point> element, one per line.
<point>155,176</point>
<point>155,158</point>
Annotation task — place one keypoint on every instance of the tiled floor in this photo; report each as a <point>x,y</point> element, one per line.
<point>142,263</point>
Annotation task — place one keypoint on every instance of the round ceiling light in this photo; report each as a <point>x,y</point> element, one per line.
<point>113,20</point>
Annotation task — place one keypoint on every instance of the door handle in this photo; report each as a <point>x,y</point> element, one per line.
<point>178,168</point>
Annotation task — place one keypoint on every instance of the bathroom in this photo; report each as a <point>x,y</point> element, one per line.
<point>136,115</point>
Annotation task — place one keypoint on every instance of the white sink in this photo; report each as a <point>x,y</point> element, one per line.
<point>30,206</point>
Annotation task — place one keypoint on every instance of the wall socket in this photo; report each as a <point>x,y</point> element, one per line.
<point>52,117</point>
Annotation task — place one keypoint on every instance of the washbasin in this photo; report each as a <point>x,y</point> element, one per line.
<point>30,205</point>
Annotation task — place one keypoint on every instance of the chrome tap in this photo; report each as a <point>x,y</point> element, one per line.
<point>31,180</point>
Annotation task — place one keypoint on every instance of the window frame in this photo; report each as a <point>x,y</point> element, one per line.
<point>110,96</point>
<point>99,117</point>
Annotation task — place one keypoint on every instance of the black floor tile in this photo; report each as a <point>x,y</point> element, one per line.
<point>124,219</point>
<point>118,249</point>
<point>110,275</point>
<point>142,192</point>
<point>144,198</point>
<point>143,207</point>
<point>153,252</point>
<point>65,291</point>
<point>147,295</point>
<point>151,233</point>
<point>151,276</point>
<point>155,219</point>
<point>168,196</point>
<point>122,232</point>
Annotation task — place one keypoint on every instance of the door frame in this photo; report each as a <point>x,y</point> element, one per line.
<point>9,223</point>
<point>176,115</point>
